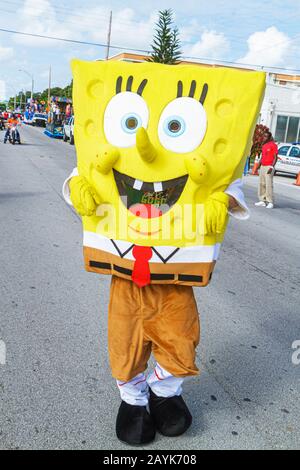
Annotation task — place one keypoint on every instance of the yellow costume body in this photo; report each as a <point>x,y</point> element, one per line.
<point>158,149</point>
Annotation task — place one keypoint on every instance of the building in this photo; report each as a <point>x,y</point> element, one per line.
<point>281,107</point>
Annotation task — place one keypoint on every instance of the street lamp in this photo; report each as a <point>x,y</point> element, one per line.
<point>32,81</point>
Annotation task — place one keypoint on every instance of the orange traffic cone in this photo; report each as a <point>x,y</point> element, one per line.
<point>255,166</point>
<point>297,180</point>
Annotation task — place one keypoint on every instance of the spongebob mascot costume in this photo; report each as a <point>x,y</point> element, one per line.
<point>161,150</point>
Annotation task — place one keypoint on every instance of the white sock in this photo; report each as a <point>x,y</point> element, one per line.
<point>135,391</point>
<point>164,384</point>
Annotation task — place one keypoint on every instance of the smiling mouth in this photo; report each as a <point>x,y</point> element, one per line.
<point>149,200</point>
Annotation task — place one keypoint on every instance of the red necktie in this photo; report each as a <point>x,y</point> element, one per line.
<point>141,271</point>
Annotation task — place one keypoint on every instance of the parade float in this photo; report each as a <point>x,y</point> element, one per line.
<point>58,111</point>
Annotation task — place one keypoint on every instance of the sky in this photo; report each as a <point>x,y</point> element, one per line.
<point>260,32</point>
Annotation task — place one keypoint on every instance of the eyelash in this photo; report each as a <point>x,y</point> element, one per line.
<point>144,82</point>
<point>129,84</point>
<point>192,91</point>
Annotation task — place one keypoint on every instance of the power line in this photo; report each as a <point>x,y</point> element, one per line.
<point>241,64</point>
<point>119,25</point>
<point>66,13</point>
<point>279,43</point>
<point>87,18</point>
<point>129,49</point>
<point>54,38</point>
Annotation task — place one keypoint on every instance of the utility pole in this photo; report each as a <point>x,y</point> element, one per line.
<point>109,35</point>
<point>49,88</point>
<point>32,82</point>
<point>32,87</point>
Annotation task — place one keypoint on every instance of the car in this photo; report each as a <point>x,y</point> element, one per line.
<point>288,159</point>
<point>69,130</point>
<point>39,119</point>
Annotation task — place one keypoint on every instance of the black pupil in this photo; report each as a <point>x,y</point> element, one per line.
<point>174,126</point>
<point>131,122</point>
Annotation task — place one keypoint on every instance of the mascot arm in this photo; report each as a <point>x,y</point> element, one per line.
<point>218,206</point>
<point>80,194</point>
<point>66,188</point>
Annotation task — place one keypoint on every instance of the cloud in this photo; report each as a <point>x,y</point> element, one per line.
<point>127,30</point>
<point>270,48</point>
<point>87,24</point>
<point>39,17</point>
<point>211,45</point>
<point>6,53</point>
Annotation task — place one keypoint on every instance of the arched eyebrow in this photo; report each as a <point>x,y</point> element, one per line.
<point>129,85</point>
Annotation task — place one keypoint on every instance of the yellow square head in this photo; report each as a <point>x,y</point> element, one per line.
<point>154,139</point>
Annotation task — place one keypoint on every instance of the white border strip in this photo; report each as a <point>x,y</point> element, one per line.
<point>190,254</point>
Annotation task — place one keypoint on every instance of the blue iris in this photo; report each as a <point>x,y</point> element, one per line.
<point>131,122</point>
<point>174,126</point>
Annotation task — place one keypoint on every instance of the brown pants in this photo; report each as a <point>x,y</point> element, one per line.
<point>265,190</point>
<point>162,319</point>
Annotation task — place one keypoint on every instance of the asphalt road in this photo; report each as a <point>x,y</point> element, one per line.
<point>56,391</point>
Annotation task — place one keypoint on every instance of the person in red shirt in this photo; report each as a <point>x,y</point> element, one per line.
<point>267,168</point>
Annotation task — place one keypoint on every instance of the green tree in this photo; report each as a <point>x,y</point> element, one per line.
<point>166,42</point>
<point>68,90</point>
<point>43,95</point>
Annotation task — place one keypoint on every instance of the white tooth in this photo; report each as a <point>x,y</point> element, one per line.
<point>158,187</point>
<point>138,185</point>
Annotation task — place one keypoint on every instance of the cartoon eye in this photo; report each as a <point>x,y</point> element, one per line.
<point>182,125</point>
<point>174,126</point>
<point>131,122</point>
<point>124,114</point>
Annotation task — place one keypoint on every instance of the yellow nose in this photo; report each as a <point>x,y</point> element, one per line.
<point>144,146</point>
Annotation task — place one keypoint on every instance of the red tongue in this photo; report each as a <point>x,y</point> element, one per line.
<point>146,211</point>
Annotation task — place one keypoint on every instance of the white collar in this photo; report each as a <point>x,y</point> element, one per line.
<point>165,253</point>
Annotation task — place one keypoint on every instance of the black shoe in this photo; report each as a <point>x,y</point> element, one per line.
<point>134,425</point>
<point>171,415</point>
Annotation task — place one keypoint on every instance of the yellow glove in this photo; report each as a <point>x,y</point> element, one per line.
<point>216,213</point>
<point>83,196</point>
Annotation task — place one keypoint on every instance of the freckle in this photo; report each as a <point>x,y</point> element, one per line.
<point>204,164</point>
<point>200,174</point>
